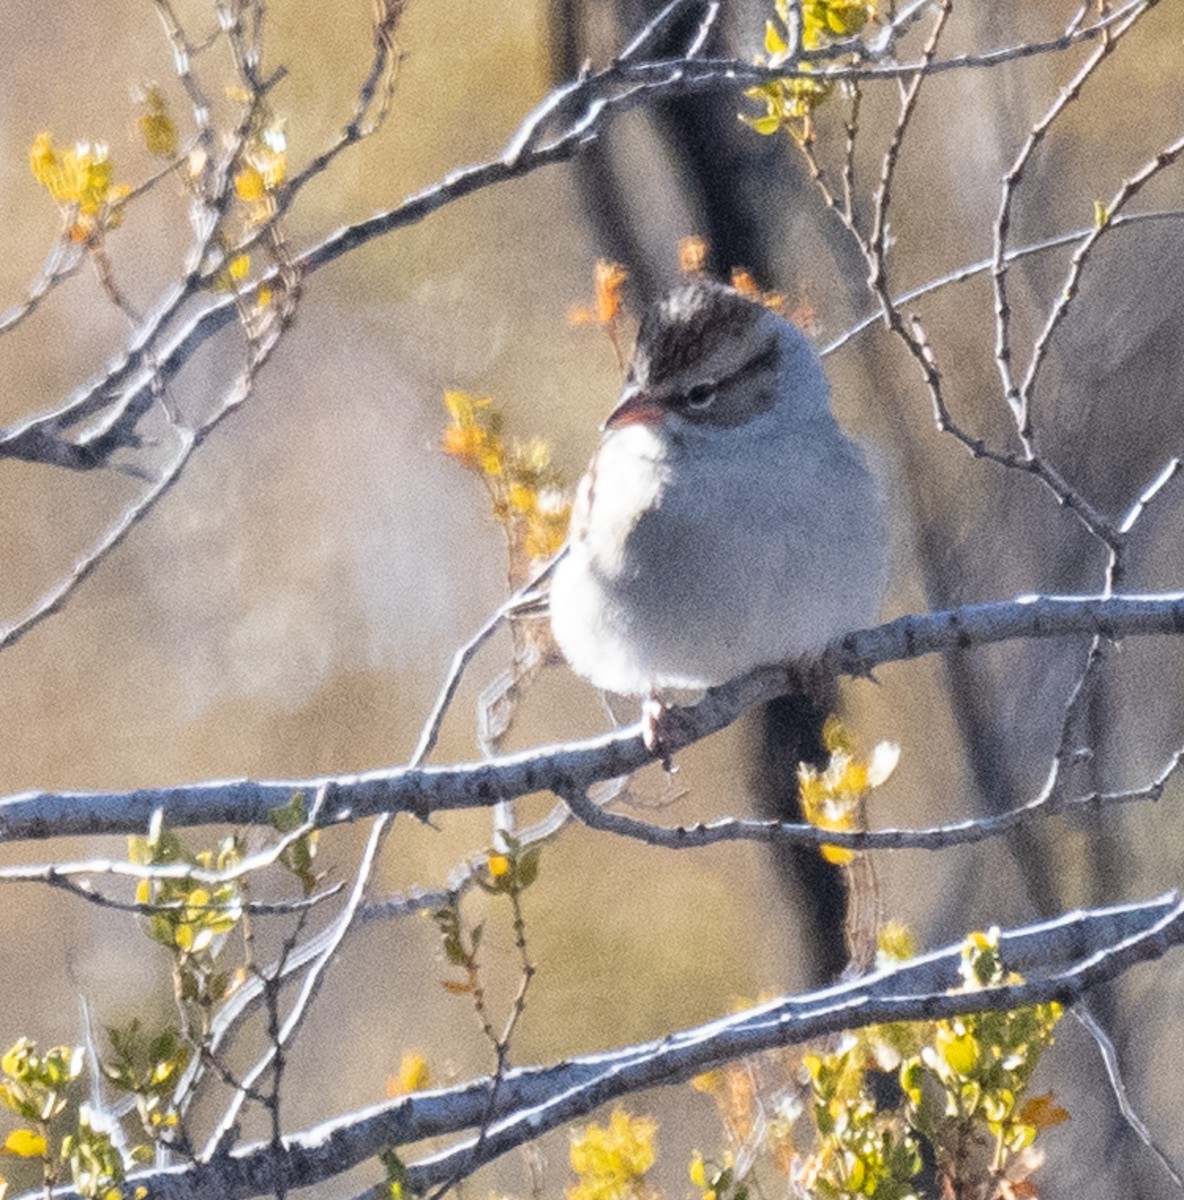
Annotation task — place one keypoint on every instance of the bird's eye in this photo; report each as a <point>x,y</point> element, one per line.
<point>700,397</point>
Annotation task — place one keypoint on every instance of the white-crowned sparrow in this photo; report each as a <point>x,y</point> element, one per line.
<point>726,521</point>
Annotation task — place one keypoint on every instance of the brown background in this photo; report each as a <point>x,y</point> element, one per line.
<point>293,604</point>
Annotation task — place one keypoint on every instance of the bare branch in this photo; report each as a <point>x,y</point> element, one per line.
<point>225,1132</point>
<point>1170,471</point>
<point>587,103</point>
<point>983,265</point>
<point>189,441</point>
<point>791,1022</point>
<point>465,655</point>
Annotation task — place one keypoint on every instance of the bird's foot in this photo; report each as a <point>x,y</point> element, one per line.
<point>663,728</point>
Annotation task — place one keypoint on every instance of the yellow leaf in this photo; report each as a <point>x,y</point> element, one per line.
<point>852,779</point>
<point>24,1143</point>
<point>744,283</point>
<point>43,162</point>
<point>461,407</point>
<point>547,527</point>
<point>413,1076</point>
<point>473,437</point>
<point>1043,1112</point>
<point>895,942</point>
<point>522,498</point>
<point>697,1170</point>
<point>248,184</point>
<point>847,17</point>
<point>499,865</point>
<point>81,176</point>
<point>763,125</point>
<point>474,448</point>
<point>775,44</point>
<point>835,736</point>
<point>239,266</point>
<point>961,1052</point>
<point>615,1155</point>
<point>15,1057</point>
<point>608,278</point>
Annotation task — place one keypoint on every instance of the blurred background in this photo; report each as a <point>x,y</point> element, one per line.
<point>292,606</point>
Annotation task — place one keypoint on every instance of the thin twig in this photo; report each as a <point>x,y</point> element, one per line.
<point>1047,802</point>
<point>1011,181</point>
<point>1069,289</point>
<point>1170,470</point>
<point>877,241</point>
<point>190,440</point>
<point>652,28</point>
<point>225,1132</point>
<point>1114,1073</point>
<point>779,1028</point>
<point>465,655</point>
<point>983,265</point>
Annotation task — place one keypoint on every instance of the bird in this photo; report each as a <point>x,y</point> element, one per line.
<point>726,522</point>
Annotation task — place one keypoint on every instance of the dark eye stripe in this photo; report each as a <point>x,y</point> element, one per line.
<point>701,395</point>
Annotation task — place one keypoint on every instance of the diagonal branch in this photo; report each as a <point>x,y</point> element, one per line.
<point>1061,959</point>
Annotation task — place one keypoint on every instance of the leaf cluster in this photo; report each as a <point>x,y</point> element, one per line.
<point>190,917</point>
<point>40,1089</point>
<point>525,488</point>
<point>611,1161</point>
<point>898,1111</point>
<point>300,854</point>
<point>148,1066</point>
<point>790,103</point>
<point>81,181</point>
<point>833,797</point>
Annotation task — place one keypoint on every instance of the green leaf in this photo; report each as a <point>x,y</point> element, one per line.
<point>290,816</point>
<point>528,866</point>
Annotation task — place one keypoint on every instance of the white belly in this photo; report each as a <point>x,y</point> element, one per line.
<point>753,560</point>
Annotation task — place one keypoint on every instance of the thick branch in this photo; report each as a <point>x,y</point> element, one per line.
<point>569,769</point>
<point>1059,960</point>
